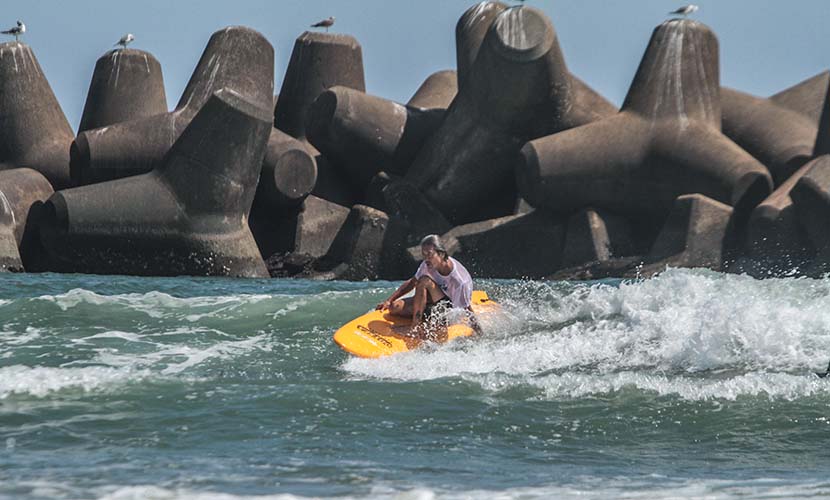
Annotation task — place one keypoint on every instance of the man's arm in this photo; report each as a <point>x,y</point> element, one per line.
<point>473,321</point>
<point>402,290</point>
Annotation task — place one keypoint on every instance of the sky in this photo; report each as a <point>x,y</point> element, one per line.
<point>765,45</point>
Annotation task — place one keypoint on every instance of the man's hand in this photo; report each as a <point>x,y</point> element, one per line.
<point>383,305</point>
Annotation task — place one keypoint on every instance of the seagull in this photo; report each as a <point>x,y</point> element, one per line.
<point>125,40</point>
<point>685,10</point>
<point>16,31</point>
<point>325,23</point>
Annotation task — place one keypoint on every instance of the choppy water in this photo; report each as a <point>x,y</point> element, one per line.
<point>693,384</point>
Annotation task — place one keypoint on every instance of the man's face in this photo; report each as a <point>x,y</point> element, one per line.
<point>431,257</point>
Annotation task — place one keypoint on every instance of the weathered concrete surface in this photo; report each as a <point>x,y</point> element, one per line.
<point>437,91</point>
<point>775,241</point>
<point>307,230</point>
<point>470,157</point>
<point>595,236</point>
<point>319,61</point>
<point>21,189</point>
<point>289,173</point>
<point>470,32</point>
<point>806,97</point>
<point>187,217</point>
<point>778,137</point>
<point>528,245</point>
<point>236,58</point>
<point>416,212</point>
<point>694,234</point>
<point>9,255</point>
<point>34,132</point>
<point>811,198</point>
<point>374,191</point>
<point>362,248</point>
<point>127,84</point>
<point>774,238</point>
<point>522,206</point>
<point>364,134</point>
<point>665,142</point>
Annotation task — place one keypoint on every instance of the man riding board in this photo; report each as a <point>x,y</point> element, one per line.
<point>441,283</point>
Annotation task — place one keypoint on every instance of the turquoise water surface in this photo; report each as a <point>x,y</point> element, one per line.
<point>692,384</point>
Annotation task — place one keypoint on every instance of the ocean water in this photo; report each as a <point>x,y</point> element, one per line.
<point>693,384</point>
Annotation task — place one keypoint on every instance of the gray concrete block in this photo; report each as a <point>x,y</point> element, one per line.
<point>665,142</point>
<point>470,157</point>
<point>34,132</point>
<point>516,246</point>
<point>694,234</point>
<point>594,236</point>
<point>187,217</point>
<point>127,84</point>
<point>235,58</point>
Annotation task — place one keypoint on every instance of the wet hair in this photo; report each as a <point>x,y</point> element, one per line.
<point>434,241</point>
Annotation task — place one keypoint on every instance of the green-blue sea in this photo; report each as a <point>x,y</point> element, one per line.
<point>693,384</point>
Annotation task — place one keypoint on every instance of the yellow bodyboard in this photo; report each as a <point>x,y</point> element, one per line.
<point>378,333</point>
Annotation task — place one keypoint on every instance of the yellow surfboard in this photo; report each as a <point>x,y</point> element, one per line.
<point>378,333</point>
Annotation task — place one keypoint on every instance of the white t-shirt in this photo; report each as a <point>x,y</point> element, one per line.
<point>458,285</point>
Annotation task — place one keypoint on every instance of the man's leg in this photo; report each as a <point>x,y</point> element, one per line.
<point>427,292</point>
<point>401,307</point>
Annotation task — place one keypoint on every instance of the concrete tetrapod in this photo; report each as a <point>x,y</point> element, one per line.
<point>319,61</point>
<point>127,84</point>
<point>306,231</point>
<point>775,240</point>
<point>236,58</point>
<point>518,86</point>
<point>21,189</point>
<point>666,141</point>
<point>365,247</point>
<point>187,217</point>
<point>289,172</point>
<point>470,31</point>
<point>694,235</point>
<point>9,255</point>
<point>807,97</point>
<point>528,245</point>
<point>437,91</point>
<point>780,138</point>
<point>811,198</point>
<point>34,131</point>
<point>365,134</point>
<point>595,236</point>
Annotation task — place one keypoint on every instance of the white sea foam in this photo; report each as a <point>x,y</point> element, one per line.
<point>171,359</point>
<point>16,338</point>
<point>40,381</point>
<point>158,493</point>
<point>653,334</point>
<point>579,488</point>
<point>155,304</point>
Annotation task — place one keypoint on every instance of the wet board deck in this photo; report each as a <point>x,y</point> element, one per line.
<point>378,333</point>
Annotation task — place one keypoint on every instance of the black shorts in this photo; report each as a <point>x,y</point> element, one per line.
<point>435,313</point>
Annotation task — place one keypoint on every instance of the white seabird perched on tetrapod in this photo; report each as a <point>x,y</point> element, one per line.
<point>16,31</point>
<point>325,23</point>
<point>685,10</point>
<point>126,39</point>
